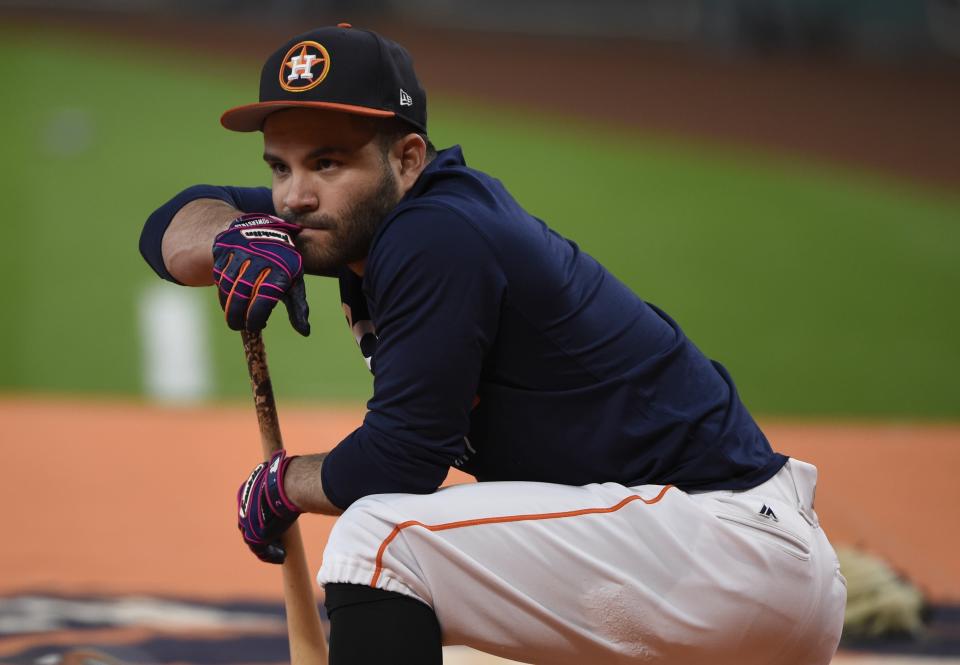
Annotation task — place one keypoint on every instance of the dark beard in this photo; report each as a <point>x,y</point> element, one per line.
<point>349,237</point>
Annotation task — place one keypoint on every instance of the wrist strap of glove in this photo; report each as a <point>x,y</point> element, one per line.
<point>277,498</point>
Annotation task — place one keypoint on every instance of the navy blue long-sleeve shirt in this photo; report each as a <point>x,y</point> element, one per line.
<point>503,349</point>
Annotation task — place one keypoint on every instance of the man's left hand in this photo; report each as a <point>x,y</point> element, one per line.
<point>263,509</point>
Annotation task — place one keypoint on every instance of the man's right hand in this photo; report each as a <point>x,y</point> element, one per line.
<point>264,511</point>
<point>256,264</point>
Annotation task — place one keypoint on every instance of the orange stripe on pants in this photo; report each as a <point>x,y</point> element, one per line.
<point>501,520</point>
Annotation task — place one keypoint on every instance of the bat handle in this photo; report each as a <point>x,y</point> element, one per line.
<point>308,646</point>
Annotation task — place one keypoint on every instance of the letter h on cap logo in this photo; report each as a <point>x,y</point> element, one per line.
<point>301,70</point>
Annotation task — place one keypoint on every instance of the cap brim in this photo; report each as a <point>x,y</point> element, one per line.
<point>250,117</point>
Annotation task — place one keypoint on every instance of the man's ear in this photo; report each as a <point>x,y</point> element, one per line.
<point>411,155</point>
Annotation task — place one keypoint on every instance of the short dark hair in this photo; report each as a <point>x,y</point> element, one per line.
<point>392,129</point>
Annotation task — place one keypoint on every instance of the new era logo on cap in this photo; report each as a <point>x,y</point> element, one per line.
<point>405,99</point>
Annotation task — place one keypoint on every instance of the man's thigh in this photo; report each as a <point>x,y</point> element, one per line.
<point>555,574</point>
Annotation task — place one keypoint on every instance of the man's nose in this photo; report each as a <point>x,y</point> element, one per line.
<point>301,197</point>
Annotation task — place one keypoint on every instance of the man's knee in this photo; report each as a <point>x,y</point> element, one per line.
<point>364,548</point>
<point>361,529</point>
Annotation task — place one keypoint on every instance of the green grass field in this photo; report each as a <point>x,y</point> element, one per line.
<point>825,292</point>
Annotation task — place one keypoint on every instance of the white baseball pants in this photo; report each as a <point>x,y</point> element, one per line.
<point>603,573</point>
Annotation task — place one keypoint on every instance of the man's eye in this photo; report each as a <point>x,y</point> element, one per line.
<point>277,168</point>
<point>324,164</point>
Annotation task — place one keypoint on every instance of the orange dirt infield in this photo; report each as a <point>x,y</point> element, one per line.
<point>118,497</point>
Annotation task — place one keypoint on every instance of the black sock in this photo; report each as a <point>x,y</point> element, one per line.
<point>375,627</point>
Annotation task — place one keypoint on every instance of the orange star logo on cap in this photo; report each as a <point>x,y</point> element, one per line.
<point>298,70</point>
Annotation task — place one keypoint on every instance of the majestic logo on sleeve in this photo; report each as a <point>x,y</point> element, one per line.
<point>304,67</point>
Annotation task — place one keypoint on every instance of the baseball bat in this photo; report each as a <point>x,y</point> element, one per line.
<point>308,646</point>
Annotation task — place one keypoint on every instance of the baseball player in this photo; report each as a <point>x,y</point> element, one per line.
<point>630,509</point>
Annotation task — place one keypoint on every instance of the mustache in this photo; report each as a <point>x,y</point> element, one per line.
<point>308,221</point>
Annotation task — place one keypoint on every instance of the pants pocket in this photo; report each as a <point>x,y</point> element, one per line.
<point>781,526</point>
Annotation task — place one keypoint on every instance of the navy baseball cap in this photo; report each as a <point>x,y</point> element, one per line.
<point>339,68</point>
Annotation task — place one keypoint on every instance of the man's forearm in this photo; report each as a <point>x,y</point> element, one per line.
<point>303,487</point>
<point>188,241</point>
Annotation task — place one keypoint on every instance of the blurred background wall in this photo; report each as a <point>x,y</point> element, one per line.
<point>881,28</point>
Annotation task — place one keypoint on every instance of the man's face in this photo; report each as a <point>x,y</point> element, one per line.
<point>331,176</point>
